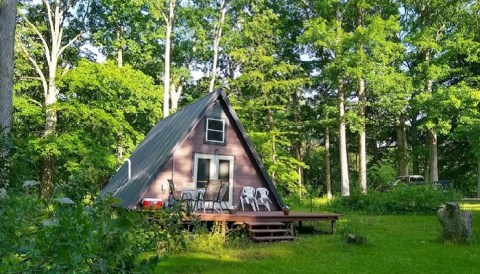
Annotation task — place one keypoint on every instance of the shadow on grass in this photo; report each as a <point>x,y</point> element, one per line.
<point>189,263</point>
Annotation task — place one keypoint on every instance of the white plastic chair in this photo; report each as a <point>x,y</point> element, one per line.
<point>248,196</point>
<point>261,196</point>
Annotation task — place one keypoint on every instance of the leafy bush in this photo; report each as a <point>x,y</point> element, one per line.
<point>60,236</point>
<point>403,199</point>
<point>381,173</point>
<point>5,161</point>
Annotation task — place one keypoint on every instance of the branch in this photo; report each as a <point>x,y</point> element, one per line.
<point>67,7</point>
<point>35,102</point>
<point>70,43</point>
<point>439,33</point>
<point>49,12</point>
<point>30,78</point>
<point>308,6</point>
<point>44,42</point>
<point>164,17</point>
<point>37,68</point>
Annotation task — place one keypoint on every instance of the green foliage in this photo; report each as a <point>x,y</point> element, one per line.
<point>92,236</point>
<point>6,148</point>
<point>403,199</point>
<point>281,61</point>
<point>102,110</point>
<point>381,173</point>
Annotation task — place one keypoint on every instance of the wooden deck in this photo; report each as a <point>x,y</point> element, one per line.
<point>266,216</point>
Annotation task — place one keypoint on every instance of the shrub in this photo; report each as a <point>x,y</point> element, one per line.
<point>381,173</point>
<point>60,236</point>
<point>403,199</point>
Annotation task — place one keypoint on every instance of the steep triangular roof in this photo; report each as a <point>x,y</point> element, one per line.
<point>154,152</point>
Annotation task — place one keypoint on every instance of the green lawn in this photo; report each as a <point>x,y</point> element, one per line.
<point>395,244</point>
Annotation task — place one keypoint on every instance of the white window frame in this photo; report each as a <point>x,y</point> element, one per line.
<point>207,129</point>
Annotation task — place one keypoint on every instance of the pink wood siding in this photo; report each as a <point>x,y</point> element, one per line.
<point>244,173</point>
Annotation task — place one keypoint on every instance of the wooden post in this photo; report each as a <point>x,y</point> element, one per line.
<point>334,229</point>
<point>292,228</point>
<point>223,226</point>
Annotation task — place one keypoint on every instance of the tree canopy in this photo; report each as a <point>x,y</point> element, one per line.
<point>337,96</point>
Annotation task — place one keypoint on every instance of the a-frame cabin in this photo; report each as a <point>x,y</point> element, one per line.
<point>205,140</point>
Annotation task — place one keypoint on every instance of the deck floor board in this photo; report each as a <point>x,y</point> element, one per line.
<point>265,216</point>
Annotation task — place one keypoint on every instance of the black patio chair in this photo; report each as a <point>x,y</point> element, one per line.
<point>175,200</point>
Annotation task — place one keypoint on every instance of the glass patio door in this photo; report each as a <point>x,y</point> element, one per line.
<point>213,167</point>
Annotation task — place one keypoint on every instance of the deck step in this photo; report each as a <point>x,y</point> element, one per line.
<point>272,238</point>
<point>265,224</point>
<point>269,230</point>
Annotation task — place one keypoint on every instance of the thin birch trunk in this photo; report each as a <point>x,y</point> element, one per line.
<point>120,146</point>
<point>120,47</point>
<point>362,137</point>
<point>216,43</point>
<point>328,180</point>
<point>168,37</point>
<point>120,65</point>
<point>274,149</point>
<point>297,146</point>
<point>345,183</point>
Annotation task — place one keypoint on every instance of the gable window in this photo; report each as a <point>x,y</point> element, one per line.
<point>215,131</point>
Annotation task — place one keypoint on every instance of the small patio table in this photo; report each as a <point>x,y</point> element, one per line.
<point>194,197</point>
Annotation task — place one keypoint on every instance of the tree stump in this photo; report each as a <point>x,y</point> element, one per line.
<point>457,226</point>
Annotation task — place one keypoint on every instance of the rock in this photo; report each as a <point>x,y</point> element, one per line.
<point>355,239</point>
<point>457,226</point>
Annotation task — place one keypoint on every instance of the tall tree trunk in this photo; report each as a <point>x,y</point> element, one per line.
<point>433,141</point>
<point>274,149</point>
<point>175,93</point>
<point>426,172</point>
<point>362,100</point>
<point>8,12</point>
<point>345,183</point>
<point>53,51</point>
<point>168,43</point>
<point>362,137</point>
<point>216,43</point>
<point>297,146</point>
<point>415,144</point>
<point>120,65</point>
<point>119,47</point>
<point>431,134</point>
<point>120,146</point>
<point>48,168</point>
<point>298,156</point>
<point>328,180</point>
<point>402,160</point>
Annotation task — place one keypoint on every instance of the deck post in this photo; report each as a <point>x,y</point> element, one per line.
<point>223,227</point>
<point>334,229</point>
<point>292,228</point>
